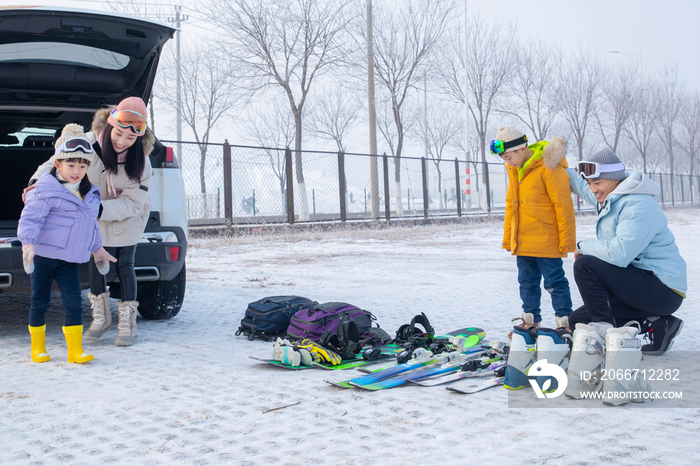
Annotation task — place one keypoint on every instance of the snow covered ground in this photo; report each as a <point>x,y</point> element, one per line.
<point>187,393</point>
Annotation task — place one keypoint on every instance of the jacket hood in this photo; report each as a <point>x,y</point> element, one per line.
<point>637,183</point>
<point>554,154</point>
<point>99,123</point>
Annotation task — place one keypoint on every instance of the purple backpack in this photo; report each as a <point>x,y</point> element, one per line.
<point>340,327</point>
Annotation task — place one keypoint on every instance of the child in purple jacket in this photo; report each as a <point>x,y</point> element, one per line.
<point>58,229</point>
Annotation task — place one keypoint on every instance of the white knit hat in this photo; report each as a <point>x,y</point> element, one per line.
<point>72,131</point>
<point>507,134</point>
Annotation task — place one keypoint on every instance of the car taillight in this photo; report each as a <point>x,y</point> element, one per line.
<point>168,154</point>
<point>174,253</point>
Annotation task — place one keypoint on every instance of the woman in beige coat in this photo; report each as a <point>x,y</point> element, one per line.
<point>123,173</point>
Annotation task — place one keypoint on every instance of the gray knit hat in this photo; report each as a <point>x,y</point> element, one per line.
<point>608,157</point>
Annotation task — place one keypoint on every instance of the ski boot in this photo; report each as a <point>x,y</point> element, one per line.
<point>587,359</point>
<point>522,355</point>
<point>527,321</point>
<point>623,355</point>
<point>554,346</point>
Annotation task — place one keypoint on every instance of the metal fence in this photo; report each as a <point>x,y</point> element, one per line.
<point>228,184</point>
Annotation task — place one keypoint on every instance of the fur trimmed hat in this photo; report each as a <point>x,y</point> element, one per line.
<point>73,131</point>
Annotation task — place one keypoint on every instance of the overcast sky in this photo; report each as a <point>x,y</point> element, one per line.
<point>666,32</point>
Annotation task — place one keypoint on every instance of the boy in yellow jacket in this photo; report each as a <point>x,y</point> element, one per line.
<point>540,229</point>
<point>540,226</point>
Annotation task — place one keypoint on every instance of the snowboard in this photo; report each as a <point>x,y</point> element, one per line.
<point>441,379</point>
<point>355,363</point>
<point>447,369</point>
<point>388,352</point>
<point>276,363</point>
<point>473,336</point>
<point>477,387</point>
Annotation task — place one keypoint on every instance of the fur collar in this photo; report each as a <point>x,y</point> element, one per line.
<point>99,122</point>
<point>555,153</point>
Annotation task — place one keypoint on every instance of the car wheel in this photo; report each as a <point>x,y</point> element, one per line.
<point>162,299</point>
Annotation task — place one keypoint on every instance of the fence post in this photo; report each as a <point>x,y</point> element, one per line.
<point>341,187</point>
<point>682,190</point>
<point>458,194</point>
<point>387,202</point>
<point>661,183</point>
<point>228,191</point>
<point>290,185</point>
<point>424,170</point>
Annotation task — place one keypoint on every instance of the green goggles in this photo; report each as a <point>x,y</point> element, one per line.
<point>499,147</point>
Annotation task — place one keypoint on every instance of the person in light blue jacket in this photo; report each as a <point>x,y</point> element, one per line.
<point>633,270</point>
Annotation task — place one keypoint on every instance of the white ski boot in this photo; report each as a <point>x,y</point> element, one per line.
<point>523,352</point>
<point>554,346</point>
<point>622,383</point>
<point>587,360</point>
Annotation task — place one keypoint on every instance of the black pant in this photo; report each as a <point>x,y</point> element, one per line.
<point>47,270</point>
<point>617,295</point>
<point>125,271</point>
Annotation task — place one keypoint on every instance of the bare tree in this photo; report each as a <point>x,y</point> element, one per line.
<point>616,105</point>
<point>441,133</point>
<point>158,10</point>
<point>287,44</point>
<point>404,38</point>
<point>641,124</point>
<point>577,92</point>
<point>668,102</point>
<point>490,64</point>
<point>333,114</point>
<point>688,134</point>
<point>272,128</point>
<point>531,99</point>
<point>209,95</point>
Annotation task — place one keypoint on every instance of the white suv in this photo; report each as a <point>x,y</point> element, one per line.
<point>57,66</point>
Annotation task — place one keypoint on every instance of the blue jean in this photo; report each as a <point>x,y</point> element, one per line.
<point>531,270</point>
<point>125,256</point>
<point>68,280</point>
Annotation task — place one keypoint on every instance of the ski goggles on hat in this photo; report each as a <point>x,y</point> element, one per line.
<point>75,144</point>
<point>591,170</point>
<point>128,119</point>
<point>499,147</point>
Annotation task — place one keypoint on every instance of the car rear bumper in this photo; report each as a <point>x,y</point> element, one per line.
<point>160,255</point>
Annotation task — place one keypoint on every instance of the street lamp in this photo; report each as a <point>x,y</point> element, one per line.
<point>639,54</point>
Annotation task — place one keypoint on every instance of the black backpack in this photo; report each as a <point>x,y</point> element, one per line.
<point>269,317</point>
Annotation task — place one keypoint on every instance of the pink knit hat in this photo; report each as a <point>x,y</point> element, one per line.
<point>134,104</point>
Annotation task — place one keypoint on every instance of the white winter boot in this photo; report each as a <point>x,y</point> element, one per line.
<point>622,383</point>
<point>126,335</point>
<point>587,360</point>
<point>101,316</point>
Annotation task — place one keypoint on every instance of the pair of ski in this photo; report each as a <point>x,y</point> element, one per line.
<point>424,370</point>
<point>423,365</point>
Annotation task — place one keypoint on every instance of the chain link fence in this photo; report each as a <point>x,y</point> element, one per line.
<point>229,184</point>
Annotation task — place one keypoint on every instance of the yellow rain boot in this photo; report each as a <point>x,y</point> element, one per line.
<point>38,334</point>
<point>74,340</point>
